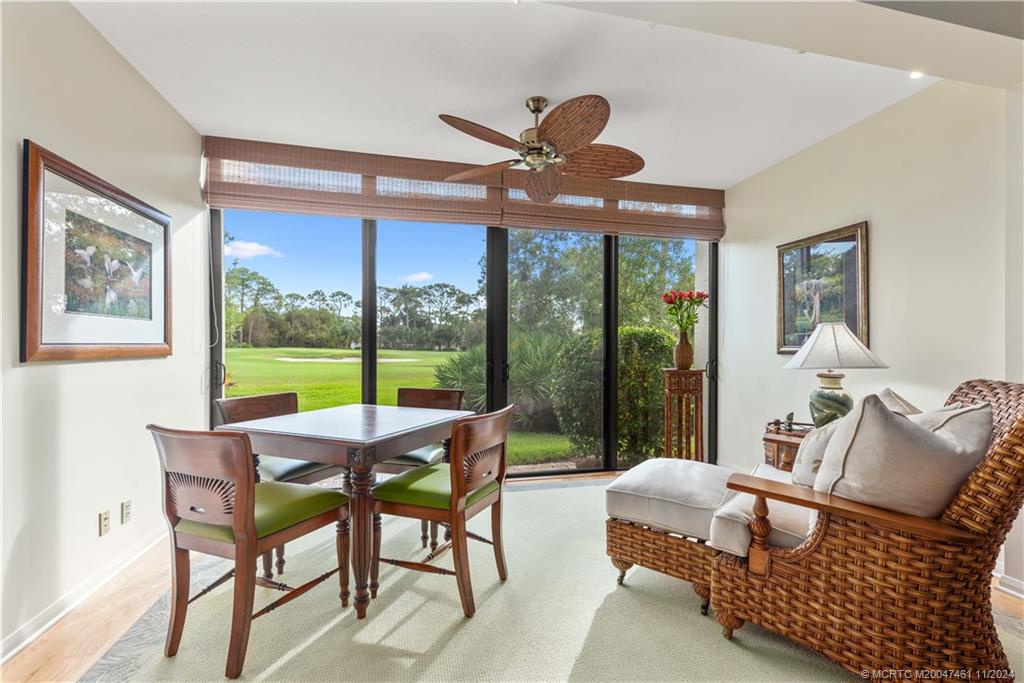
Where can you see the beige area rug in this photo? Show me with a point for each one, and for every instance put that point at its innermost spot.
(560, 616)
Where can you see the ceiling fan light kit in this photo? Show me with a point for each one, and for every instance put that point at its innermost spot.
(560, 144)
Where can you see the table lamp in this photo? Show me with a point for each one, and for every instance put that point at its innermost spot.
(831, 347)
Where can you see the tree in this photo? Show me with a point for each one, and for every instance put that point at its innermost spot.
(318, 299)
(293, 302)
(340, 301)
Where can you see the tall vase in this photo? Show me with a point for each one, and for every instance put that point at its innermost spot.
(683, 352)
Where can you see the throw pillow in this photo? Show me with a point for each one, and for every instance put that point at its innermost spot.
(884, 459)
(811, 451)
(897, 403)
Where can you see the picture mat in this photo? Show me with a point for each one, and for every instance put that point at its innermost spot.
(62, 327)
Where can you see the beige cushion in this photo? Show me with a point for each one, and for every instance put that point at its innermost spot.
(897, 403)
(811, 451)
(914, 466)
(670, 494)
(729, 530)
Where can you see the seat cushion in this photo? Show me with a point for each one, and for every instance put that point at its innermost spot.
(428, 455)
(729, 530)
(278, 506)
(428, 487)
(670, 494)
(273, 468)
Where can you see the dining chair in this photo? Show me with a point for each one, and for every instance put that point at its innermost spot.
(213, 505)
(451, 493)
(269, 467)
(441, 399)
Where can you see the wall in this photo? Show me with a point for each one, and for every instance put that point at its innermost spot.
(1011, 578)
(73, 439)
(930, 175)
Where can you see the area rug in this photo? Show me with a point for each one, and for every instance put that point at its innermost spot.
(560, 616)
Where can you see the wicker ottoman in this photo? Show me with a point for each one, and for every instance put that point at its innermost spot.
(659, 517)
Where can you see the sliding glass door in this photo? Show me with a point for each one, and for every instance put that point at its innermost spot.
(567, 325)
(555, 350)
(290, 315)
(647, 268)
(430, 309)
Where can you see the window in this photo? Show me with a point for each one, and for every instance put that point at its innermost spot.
(430, 309)
(291, 316)
(555, 350)
(648, 268)
(293, 321)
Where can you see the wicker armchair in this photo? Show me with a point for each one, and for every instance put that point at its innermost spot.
(872, 589)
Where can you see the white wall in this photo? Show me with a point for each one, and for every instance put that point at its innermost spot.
(73, 437)
(928, 176)
(938, 178)
(1011, 579)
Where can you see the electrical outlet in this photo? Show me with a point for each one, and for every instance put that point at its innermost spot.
(104, 522)
(126, 511)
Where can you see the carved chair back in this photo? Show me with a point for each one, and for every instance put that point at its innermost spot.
(257, 407)
(442, 399)
(208, 477)
(478, 453)
(990, 499)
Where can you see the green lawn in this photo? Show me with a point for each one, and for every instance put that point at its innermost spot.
(322, 385)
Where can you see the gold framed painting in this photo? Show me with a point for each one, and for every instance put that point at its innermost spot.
(823, 278)
(96, 281)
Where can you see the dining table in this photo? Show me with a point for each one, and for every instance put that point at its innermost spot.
(356, 437)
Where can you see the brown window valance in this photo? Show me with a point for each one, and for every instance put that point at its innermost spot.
(245, 174)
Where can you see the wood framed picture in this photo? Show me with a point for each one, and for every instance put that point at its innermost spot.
(822, 279)
(96, 280)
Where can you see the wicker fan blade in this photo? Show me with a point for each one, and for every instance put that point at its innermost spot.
(575, 123)
(482, 132)
(482, 171)
(542, 186)
(602, 161)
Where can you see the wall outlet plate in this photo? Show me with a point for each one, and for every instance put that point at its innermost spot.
(104, 522)
(126, 511)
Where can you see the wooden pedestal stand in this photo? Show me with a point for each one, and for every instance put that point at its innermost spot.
(684, 414)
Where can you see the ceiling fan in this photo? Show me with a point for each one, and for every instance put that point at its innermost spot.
(563, 143)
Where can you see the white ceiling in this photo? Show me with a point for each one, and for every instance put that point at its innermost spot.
(858, 31)
(702, 109)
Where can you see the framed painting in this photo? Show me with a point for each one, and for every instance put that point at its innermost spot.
(95, 280)
(822, 279)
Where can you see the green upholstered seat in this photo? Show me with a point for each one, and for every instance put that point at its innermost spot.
(428, 455)
(278, 506)
(429, 487)
(273, 468)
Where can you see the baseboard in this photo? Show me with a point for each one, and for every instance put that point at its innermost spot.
(1010, 585)
(42, 622)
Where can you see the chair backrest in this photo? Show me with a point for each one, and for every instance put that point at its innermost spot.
(257, 407)
(208, 477)
(478, 452)
(990, 499)
(443, 399)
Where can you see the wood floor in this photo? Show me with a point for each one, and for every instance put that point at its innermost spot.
(76, 642)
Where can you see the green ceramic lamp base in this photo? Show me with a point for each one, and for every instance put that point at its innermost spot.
(830, 401)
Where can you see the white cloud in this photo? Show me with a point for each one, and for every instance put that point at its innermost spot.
(421, 276)
(243, 250)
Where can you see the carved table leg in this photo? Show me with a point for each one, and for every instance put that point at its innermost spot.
(362, 534)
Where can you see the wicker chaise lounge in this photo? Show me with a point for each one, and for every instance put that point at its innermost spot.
(868, 588)
(875, 590)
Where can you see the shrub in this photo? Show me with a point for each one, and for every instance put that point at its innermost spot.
(643, 354)
(466, 371)
(532, 359)
(579, 378)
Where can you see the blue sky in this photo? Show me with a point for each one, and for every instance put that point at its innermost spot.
(301, 253)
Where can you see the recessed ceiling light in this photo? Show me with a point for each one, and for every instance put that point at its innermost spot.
(916, 74)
